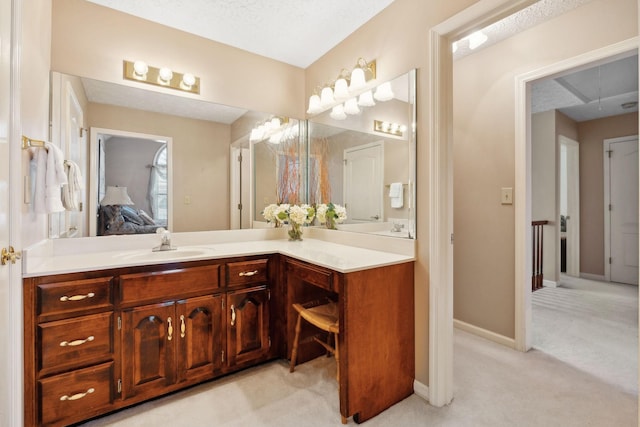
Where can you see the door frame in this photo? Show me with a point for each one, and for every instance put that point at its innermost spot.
(607, 199)
(523, 250)
(574, 247)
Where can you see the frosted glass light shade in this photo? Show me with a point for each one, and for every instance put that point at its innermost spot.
(116, 196)
(384, 92)
(341, 90)
(140, 69)
(314, 105)
(326, 97)
(188, 80)
(351, 106)
(337, 112)
(366, 99)
(357, 79)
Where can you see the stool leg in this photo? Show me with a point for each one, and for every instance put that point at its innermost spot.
(294, 350)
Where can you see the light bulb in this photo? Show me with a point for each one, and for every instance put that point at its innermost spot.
(314, 105)
(326, 97)
(140, 70)
(357, 79)
(351, 106)
(165, 75)
(188, 80)
(384, 92)
(337, 112)
(366, 99)
(275, 123)
(341, 90)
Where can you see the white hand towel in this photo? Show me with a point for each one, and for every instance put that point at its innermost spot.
(71, 190)
(54, 179)
(39, 199)
(396, 195)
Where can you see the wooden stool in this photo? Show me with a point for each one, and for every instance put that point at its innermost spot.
(323, 315)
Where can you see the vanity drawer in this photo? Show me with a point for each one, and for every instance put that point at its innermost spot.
(246, 272)
(311, 274)
(76, 395)
(69, 343)
(163, 285)
(74, 297)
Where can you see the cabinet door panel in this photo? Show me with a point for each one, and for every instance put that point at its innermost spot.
(248, 325)
(200, 332)
(149, 349)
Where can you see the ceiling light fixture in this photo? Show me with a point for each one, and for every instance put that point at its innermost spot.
(139, 71)
(476, 39)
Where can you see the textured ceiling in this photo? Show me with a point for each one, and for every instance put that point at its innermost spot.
(297, 32)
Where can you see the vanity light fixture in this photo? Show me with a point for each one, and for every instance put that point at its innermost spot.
(389, 127)
(271, 129)
(349, 84)
(141, 72)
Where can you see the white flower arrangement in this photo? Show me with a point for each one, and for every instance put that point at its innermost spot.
(331, 214)
(286, 213)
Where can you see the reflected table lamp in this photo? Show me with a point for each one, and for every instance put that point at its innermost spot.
(117, 197)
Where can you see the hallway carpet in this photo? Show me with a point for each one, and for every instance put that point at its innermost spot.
(494, 387)
(592, 326)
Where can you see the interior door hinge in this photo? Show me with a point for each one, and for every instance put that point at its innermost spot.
(452, 238)
(240, 158)
(119, 385)
(610, 260)
(610, 207)
(609, 152)
(239, 206)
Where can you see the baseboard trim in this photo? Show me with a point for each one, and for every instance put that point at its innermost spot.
(549, 283)
(598, 277)
(484, 333)
(421, 390)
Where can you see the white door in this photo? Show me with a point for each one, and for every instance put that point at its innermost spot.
(10, 225)
(570, 201)
(623, 209)
(363, 178)
(67, 132)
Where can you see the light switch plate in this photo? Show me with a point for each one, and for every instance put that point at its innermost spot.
(507, 196)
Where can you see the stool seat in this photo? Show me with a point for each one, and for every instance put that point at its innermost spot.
(323, 315)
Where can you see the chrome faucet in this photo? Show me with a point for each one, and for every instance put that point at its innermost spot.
(165, 242)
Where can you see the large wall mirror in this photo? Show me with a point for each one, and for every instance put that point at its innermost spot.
(364, 160)
(225, 167)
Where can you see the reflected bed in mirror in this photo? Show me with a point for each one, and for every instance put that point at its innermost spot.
(366, 162)
(130, 182)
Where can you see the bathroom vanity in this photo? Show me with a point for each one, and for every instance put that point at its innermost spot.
(105, 330)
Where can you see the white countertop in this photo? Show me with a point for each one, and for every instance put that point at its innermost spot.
(88, 254)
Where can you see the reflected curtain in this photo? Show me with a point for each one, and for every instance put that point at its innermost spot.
(158, 193)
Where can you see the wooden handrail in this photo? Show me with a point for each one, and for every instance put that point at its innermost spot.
(537, 239)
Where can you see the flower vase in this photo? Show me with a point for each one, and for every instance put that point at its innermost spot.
(295, 232)
(331, 223)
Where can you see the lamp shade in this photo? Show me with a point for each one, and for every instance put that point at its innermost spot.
(337, 112)
(357, 79)
(366, 99)
(314, 105)
(341, 90)
(384, 92)
(351, 106)
(116, 196)
(326, 97)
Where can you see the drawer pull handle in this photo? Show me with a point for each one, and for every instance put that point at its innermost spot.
(182, 326)
(248, 273)
(77, 395)
(233, 315)
(76, 342)
(169, 329)
(65, 298)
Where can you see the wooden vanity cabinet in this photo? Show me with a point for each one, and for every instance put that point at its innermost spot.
(70, 348)
(248, 333)
(171, 342)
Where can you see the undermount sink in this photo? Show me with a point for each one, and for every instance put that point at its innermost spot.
(148, 254)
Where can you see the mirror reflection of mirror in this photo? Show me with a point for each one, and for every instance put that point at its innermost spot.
(366, 161)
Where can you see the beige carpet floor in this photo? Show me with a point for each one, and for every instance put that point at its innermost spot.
(494, 386)
(590, 325)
